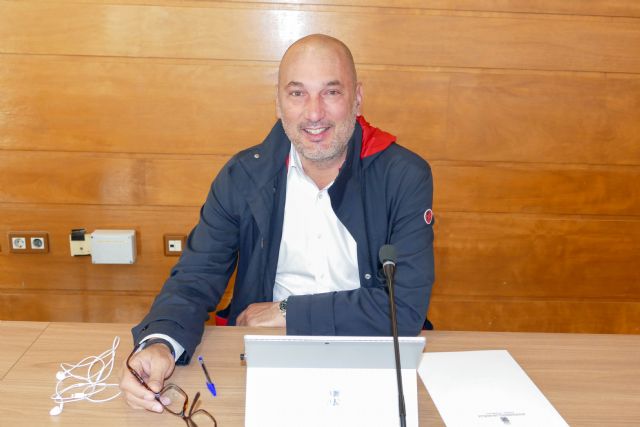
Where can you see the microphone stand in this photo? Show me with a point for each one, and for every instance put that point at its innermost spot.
(389, 268)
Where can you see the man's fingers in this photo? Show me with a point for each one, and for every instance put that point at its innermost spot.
(131, 386)
(161, 368)
(136, 395)
(246, 317)
(155, 385)
(241, 320)
(262, 314)
(149, 405)
(154, 364)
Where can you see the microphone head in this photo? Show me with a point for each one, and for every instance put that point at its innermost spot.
(60, 375)
(388, 253)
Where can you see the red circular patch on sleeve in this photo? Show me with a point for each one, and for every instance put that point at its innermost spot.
(428, 216)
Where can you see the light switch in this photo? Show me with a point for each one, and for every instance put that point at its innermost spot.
(174, 244)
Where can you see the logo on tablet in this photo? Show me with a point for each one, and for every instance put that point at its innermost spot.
(334, 397)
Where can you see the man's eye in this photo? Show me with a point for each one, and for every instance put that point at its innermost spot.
(333, 92)
(296, 93)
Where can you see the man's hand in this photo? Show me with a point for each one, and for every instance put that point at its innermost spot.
(262, 314)
(154, 364)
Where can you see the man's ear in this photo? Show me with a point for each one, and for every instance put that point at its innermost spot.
(278, 113)
(359, 97)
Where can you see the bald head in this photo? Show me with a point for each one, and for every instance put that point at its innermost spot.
(318, 47)
(318, 99)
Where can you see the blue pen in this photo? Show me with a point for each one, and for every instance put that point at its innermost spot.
(210, 385)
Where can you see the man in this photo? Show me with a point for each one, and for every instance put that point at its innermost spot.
(303, 215)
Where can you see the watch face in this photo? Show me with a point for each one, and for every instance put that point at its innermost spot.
(283, 307)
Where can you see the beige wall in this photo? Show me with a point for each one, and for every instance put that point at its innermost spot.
(119, 115)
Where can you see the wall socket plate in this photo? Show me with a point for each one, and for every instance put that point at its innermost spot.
(174, 244)
(28, 242)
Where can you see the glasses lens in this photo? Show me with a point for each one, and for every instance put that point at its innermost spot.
(173, 399)
(202, 418)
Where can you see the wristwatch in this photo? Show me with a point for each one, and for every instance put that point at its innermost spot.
(283, 307)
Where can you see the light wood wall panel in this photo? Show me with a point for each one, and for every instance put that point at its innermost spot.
(394, 36)
(67, 177)
(536, 256)
(108, 179)
(570, 315)
(537, 188)
(128, 105)
(119, 105)
(624, 8)
(616, 8)
(118, 115)
(64, 306)
(578, 118)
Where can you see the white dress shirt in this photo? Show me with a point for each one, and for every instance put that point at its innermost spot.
(317, 252)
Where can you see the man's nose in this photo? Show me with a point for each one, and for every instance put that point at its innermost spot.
(314, 109)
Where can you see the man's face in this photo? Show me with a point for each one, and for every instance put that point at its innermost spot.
(318, 101)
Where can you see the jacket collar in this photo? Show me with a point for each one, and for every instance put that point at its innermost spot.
(262, 162)
(255, 174)
(374, 140)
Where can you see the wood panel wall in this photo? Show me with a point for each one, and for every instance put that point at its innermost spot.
(119, 114)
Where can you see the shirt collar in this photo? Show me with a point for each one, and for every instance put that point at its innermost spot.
(294, 160)
(295, 164)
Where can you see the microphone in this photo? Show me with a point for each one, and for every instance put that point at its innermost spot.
(388, 256)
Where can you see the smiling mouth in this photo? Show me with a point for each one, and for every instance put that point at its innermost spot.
(315, 131)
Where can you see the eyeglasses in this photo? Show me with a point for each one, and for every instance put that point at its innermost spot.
(175, 401)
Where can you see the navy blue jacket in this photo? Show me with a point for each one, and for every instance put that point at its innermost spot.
(382, 195)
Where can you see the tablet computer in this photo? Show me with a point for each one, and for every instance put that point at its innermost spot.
(329, 381)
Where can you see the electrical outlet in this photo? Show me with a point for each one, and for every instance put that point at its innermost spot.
(37, 243)
(18, 243)
(28, 242)
(174, 244)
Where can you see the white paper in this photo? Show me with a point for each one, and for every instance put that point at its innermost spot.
(485, 388)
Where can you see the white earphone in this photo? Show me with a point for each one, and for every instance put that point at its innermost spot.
(90, 383)
(56, 410)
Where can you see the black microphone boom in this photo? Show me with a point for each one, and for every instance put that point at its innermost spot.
(388, 256)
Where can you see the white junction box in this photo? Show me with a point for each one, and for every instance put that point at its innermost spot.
(113, 247)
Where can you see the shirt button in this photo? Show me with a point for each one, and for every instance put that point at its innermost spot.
(319, 195)
(367, 276)
(256, 156)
